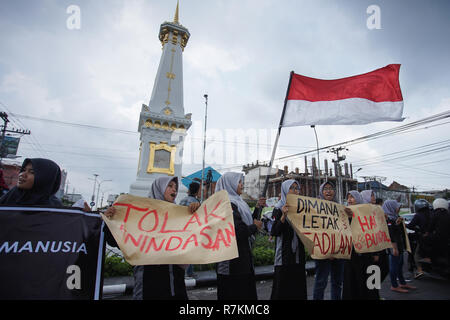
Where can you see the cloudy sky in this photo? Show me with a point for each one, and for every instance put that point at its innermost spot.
(91, 82)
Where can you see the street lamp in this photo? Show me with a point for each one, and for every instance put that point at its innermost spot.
(204, 144)
(98, 191)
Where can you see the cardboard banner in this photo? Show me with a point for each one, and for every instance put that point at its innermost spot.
(49, 253)
(150, 231)
(369, 228)
(407, 244)
(322, 226)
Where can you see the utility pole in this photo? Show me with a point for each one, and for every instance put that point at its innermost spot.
(337, 171)
(93, 191)
(98, 191)
(5, 119)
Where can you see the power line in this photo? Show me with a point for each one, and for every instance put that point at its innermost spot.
(380, 134)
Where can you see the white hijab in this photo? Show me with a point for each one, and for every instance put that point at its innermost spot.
(159, 186)
(229, 182)
(285, 186)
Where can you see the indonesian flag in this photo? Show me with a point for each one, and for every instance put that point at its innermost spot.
(361, 99)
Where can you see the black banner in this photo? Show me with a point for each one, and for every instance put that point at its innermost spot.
(50, 253)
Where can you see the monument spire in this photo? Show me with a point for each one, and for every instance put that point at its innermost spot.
(175, 19)
(163, 123)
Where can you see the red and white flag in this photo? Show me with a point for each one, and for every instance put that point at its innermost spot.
(361, 99)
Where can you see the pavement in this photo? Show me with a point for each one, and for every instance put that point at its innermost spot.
(203, 286)
(124, 285)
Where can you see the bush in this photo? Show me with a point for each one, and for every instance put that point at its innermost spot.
(116, 266)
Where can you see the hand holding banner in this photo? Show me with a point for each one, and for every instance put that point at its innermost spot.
(369, 229)
(150, 231)
(322, 226)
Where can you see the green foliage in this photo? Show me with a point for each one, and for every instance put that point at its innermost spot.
(116, 266)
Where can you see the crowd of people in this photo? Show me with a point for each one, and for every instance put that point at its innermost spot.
(39, 180)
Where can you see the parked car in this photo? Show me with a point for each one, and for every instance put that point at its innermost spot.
(408, 217)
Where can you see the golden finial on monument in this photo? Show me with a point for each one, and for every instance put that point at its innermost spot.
(175, 20)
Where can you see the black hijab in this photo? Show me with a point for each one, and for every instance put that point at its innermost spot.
(47, 178)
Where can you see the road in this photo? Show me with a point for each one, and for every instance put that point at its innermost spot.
(428, 288)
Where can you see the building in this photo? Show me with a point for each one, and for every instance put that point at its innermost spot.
(112, 198)
(60, 193)
(72, 197)
(309, 180)
(163, 123)
(255, 177)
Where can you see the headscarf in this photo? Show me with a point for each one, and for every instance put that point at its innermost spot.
(229, 182)
(367, 196)
(322, 186)
(159, 186)
(355, 194)
(285, 186)
(47, 179)
(390, 207)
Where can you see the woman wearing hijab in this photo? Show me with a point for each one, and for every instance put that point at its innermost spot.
(236, 277)
(158, 282)
(325, 267)
(39, 180)
(368, 196)
(289, 281)
(355, 269)
(380, 258)
(397, 234)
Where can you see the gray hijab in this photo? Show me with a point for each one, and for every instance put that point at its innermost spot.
(285, 186)
(159, 186)
(229, 182)
(355, 194)
(390, 207)
(367, 196)
(321, 190)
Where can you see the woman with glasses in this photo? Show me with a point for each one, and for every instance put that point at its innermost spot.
(326, 267)
(289, 281)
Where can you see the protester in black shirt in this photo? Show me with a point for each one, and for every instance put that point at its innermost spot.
(420, 224)
(39, 180)
(289, 281)
(236, 277)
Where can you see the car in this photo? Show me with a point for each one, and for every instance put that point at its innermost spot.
(408, 218)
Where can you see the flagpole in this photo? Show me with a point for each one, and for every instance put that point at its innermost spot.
(204, 146)
(266, 183)
(318, 159)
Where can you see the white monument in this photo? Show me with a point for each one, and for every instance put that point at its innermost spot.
(162, 123)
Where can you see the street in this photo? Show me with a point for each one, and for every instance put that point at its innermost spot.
(429, 287)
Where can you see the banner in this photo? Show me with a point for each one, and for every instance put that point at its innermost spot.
(322, 226)
(50, 253)
(369, 228)
(150, 231)
(407, 244)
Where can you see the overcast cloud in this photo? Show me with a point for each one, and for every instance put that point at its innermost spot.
(240, 53)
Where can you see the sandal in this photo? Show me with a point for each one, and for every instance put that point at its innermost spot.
(407, 286)
(398, 289)
(419, 275)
